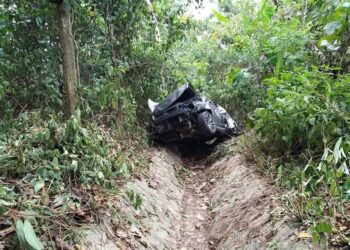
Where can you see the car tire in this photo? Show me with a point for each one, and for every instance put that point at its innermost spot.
(206, 123)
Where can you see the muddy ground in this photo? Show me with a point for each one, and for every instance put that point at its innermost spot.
(190, 205)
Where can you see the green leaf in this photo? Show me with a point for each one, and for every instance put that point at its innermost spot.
(333, 189)
(279, 63)
(7, 203)
(138, 201)
(101, 23)
(39, 185)
(75, 165)
(266, 11)
(31, 237)
(312, 121)
(344, 168)
(232, 75)
(2, 210)
(221, 18)
(20, 232)
(324, 227)
(55, 162)
(47, 135)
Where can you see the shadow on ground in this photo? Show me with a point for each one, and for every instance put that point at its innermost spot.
(193, 152)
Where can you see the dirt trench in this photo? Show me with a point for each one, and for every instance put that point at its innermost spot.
(189, 205)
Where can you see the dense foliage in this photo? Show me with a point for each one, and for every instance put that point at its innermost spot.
(57, 173)
(285, 65)
(280, 67)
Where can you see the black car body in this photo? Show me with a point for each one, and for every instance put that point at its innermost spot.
(184, 115)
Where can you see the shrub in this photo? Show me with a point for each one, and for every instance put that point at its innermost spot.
(58, 169)
(305, 110)
(306, 125)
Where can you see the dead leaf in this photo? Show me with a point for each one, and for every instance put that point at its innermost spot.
(59, 201)
(304, 235)
(76, 194)
(62, 245)
(135, 231)
(78, 247)
(44, 197)
(121, 233)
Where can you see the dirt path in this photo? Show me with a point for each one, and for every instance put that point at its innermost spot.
(195, 229)
(225, 206)
(229, 206)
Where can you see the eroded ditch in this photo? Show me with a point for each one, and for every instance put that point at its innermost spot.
(188, 204)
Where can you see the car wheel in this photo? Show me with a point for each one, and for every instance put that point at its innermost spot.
(206, 123)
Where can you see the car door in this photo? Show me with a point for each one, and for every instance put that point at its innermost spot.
(218, 117)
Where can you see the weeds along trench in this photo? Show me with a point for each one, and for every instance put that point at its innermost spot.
(195, 197)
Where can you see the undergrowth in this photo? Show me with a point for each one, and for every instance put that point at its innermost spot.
(52, 173)
(303, 143)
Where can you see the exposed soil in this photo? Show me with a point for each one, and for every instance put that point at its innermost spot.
(195, 229)
(222, 206)
(247, 214)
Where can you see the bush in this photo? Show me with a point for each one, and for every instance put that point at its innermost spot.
(52, 172)
(306, 125)
(304, 110)
(55, 151)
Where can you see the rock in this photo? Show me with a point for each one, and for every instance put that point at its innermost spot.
(198, 226)
(153, 184)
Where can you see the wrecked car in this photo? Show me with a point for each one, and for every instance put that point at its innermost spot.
(185, 115)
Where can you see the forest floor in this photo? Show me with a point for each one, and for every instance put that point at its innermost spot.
(188, 204)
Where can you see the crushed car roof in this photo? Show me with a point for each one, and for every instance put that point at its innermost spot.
(182, 93)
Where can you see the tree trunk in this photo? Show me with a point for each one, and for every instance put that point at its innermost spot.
(69, 63)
